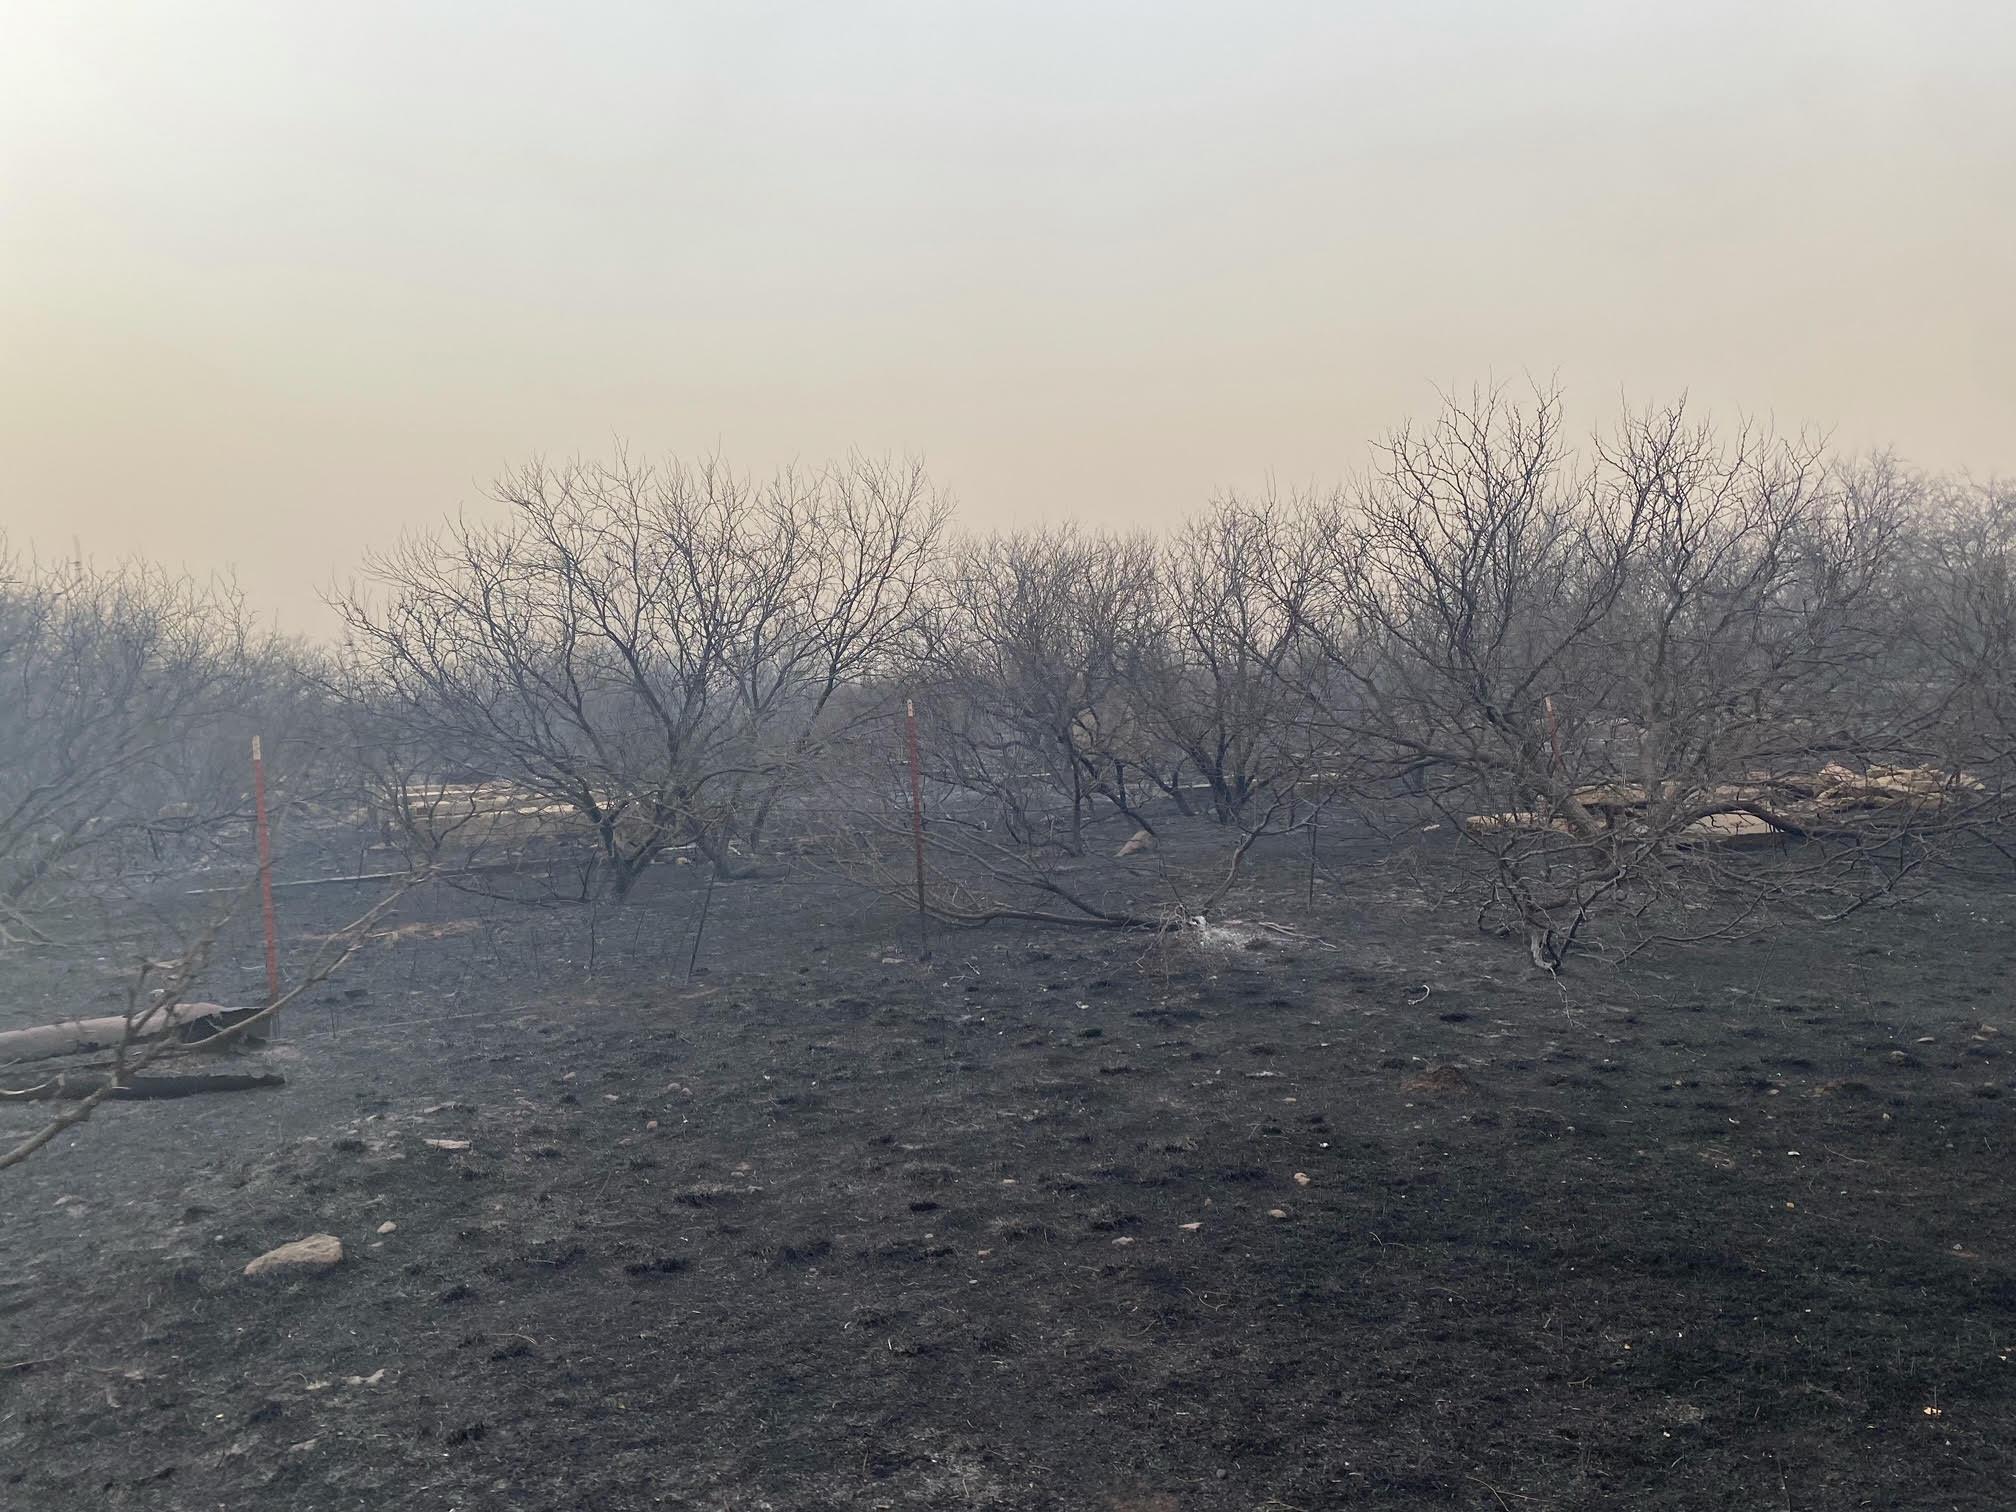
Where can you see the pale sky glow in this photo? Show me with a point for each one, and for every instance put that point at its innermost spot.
(278, 280)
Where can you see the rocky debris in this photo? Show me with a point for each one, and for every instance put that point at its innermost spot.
(317, 1252)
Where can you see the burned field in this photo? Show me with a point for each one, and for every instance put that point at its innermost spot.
(1359, 1211)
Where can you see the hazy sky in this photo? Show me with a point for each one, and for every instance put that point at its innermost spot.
(278, 278)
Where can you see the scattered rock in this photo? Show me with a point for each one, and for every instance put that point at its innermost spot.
(318, 1252)
(1301, 1178)
(1277, 1212)
(447, 1144)
(1139, 841)
(387, 1227)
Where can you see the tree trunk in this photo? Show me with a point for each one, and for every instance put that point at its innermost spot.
(1077, 805)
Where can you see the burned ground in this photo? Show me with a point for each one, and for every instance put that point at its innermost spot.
(1371, 1214)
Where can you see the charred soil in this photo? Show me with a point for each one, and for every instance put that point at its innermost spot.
(1360, 1213)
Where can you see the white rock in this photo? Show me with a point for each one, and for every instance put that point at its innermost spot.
(318, 1252)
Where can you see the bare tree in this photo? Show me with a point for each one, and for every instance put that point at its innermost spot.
(1954, 633)
(130, 695)
(661, 652)
(1219, 689)
(1033, 647)
(1607, 669)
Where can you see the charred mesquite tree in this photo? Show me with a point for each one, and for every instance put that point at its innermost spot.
(657, 653)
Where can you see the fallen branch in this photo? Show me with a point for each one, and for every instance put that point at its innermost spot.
(479, 868)
(68, 1087)
(328, 960)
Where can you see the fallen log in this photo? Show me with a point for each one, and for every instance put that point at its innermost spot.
(191, 1022)
(70, 1087)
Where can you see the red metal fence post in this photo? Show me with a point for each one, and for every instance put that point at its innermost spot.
(265, 873)
(917, 826)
